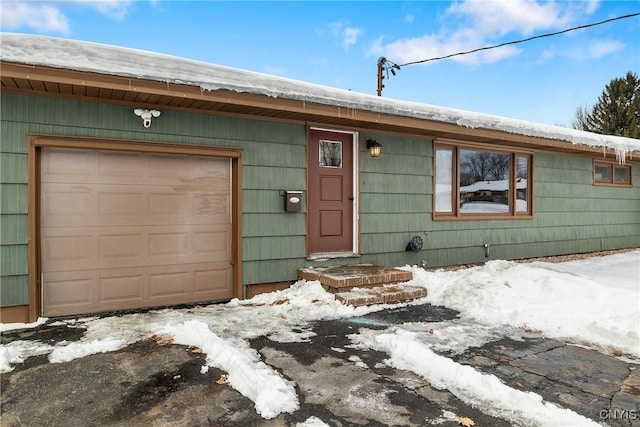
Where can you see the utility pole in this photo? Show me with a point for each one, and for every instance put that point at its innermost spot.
(381, 62)
(384, 66)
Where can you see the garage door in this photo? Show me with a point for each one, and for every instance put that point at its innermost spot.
(123, 230)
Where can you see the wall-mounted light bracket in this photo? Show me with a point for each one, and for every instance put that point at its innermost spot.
(146, 115)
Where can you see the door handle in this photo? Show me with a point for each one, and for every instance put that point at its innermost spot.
(351, 198)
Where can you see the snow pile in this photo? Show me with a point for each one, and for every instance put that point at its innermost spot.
(271, 393)
(19, 351)
(112, 60)
(483, 391)
(595, 301)
(312, 422)
(67, 352)
(4, 327)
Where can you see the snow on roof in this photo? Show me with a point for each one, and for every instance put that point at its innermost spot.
(127, 62)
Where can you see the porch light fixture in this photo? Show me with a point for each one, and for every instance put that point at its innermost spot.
(375, 148)
(146, 116)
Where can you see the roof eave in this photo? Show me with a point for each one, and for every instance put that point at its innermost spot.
(48, 81)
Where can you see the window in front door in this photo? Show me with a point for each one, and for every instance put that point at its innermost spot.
(330, 154)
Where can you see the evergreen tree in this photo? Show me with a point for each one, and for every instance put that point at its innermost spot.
(617, 111)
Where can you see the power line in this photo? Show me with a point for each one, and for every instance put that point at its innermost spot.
(521, 41)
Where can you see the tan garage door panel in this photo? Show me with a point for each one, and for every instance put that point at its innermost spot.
(130, 230)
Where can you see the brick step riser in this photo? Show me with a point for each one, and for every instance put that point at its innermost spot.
(381, 295)
(341, 287)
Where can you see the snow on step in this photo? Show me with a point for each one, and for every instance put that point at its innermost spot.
(334, 278)
(387, 294)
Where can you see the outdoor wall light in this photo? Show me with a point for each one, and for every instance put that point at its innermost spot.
(375, 148)
(146, 115)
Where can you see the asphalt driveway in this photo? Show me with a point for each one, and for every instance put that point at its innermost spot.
(152, 384)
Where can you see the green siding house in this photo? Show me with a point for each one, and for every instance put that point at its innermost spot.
(130, 179)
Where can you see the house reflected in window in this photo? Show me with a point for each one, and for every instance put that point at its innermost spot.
(484, 182)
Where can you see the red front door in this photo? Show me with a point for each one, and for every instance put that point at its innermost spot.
(330, 195)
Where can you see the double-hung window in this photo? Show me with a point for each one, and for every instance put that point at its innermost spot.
(473, 182)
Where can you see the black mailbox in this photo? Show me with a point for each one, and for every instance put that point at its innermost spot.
(292, 201)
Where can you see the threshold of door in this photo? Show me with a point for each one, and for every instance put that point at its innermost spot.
(321, 256)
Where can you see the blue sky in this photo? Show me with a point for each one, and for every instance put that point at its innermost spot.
(338, 43)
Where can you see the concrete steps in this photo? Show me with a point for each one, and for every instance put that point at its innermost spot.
(364, 284)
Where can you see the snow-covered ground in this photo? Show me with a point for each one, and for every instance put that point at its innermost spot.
(593, 302)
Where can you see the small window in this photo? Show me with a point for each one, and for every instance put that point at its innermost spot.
(330, 154)
(522, 184)
(622, 175)
(603, 173)
(444, 180)
(611, 174)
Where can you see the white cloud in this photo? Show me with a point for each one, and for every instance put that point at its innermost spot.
(433, 46)
(43, 16)
(36, 16)
(591, 6)
(350, 36)
(347, 35)
(473, 24)
(112, 8)
(585, 50)
(499, 17)
(601, 48)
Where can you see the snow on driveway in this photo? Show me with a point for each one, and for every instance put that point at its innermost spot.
(594, 302)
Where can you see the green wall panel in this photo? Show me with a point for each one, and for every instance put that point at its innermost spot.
(269, 224)
(13, 260)
(567, 176)
(388, 183)
(13, 229)
(274, 155)
(394, 203)
(273, 247)
(13, 168)
(268, 271)
(14, 290)
(380, 223)
(269, 178)
(13, 198)
(13, 136)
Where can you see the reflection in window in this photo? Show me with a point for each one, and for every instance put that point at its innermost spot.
(444, 177)
(484, 182)
(603, 173)
(522, 184)
(621, 175)
(330, 154)
(472, 182)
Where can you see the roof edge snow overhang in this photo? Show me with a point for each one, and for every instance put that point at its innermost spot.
(135, 92)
